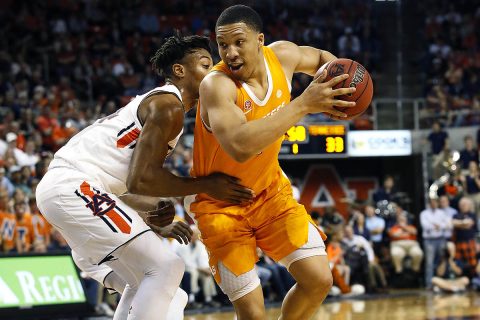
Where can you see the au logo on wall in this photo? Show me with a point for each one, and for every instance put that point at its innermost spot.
(323, 187)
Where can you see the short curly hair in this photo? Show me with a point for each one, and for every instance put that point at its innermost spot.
(174, 49)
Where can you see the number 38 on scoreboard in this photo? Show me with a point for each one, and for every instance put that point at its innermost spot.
(319, 140)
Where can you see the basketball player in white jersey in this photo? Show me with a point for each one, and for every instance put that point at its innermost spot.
(124, 153)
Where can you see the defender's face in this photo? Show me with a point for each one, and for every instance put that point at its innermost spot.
(197, 65)
(239, 47)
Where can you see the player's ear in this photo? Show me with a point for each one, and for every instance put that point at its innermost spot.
(178, 70)
(261, 40)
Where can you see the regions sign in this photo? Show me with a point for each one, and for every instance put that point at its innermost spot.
(39, 280)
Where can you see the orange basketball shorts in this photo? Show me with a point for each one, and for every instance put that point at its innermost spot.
(278, 225)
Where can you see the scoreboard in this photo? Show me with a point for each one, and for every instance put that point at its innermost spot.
(315, 140)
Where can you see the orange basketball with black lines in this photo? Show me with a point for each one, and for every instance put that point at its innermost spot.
(358, 78)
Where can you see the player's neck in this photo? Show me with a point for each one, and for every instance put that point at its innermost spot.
(187, 101)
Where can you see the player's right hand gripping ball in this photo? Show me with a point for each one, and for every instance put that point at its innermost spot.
(358, 78)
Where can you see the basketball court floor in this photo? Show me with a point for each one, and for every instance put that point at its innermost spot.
(399, 306)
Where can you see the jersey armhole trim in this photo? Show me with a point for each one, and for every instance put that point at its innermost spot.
(159, 92)
(203, 121)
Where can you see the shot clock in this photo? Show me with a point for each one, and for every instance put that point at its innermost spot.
(315, 140)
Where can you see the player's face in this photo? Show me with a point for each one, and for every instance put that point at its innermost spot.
(239, 47)
(198, 64)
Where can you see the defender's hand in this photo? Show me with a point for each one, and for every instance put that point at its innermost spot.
(179, 231)
(163, 215)
(227, 188)
(320, 96)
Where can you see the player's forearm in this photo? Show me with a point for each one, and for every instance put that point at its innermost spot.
(140, 202)
(326, 56)
(163, 183)
(254, 136)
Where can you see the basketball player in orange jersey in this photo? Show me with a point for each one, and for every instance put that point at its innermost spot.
(244, 112)
(123, 153)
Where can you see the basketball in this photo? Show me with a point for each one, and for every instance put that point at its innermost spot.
(358, 77)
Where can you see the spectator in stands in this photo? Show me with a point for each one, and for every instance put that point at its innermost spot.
(28, 157)
(281, 280)
(403, 243)
(7, 224)
(442, 162)
(449, 273)
(18, 181)
(41, 228)
(340, 270)
(360, 258)
(195, 257)
(57, 242)
(453, 188)
(465, 226)
(349, 45)
(469, 153)
(471, 183)
(336, 258)
(375, 226)
(450, 212)
(264, 275)
(438, 138)
(5, 182)
(387, 192)
(434, 222)
(23, 228)
(437, 103)
(359, 226)
(332, 221)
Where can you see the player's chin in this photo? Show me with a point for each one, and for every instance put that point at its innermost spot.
(239, 73)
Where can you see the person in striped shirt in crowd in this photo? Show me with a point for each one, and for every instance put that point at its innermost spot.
(465, 230)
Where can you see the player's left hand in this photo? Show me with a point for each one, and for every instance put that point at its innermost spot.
(163, 215)
(179, 231)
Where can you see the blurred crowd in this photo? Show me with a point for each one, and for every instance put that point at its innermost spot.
(452, 62)
(64, 64)
(380, 245)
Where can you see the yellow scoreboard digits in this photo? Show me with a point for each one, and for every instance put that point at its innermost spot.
(297, 134)
(315, 139)
(330, 142)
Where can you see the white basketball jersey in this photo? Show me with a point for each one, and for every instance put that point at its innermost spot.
(104, 149)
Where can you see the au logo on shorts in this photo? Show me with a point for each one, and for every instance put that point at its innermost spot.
(105, 208)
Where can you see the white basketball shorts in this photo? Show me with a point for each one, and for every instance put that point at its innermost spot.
(93, 222)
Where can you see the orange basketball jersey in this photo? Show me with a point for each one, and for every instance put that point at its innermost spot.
(8, 223)
(24, 230)
(41, 228)
(259, 172)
